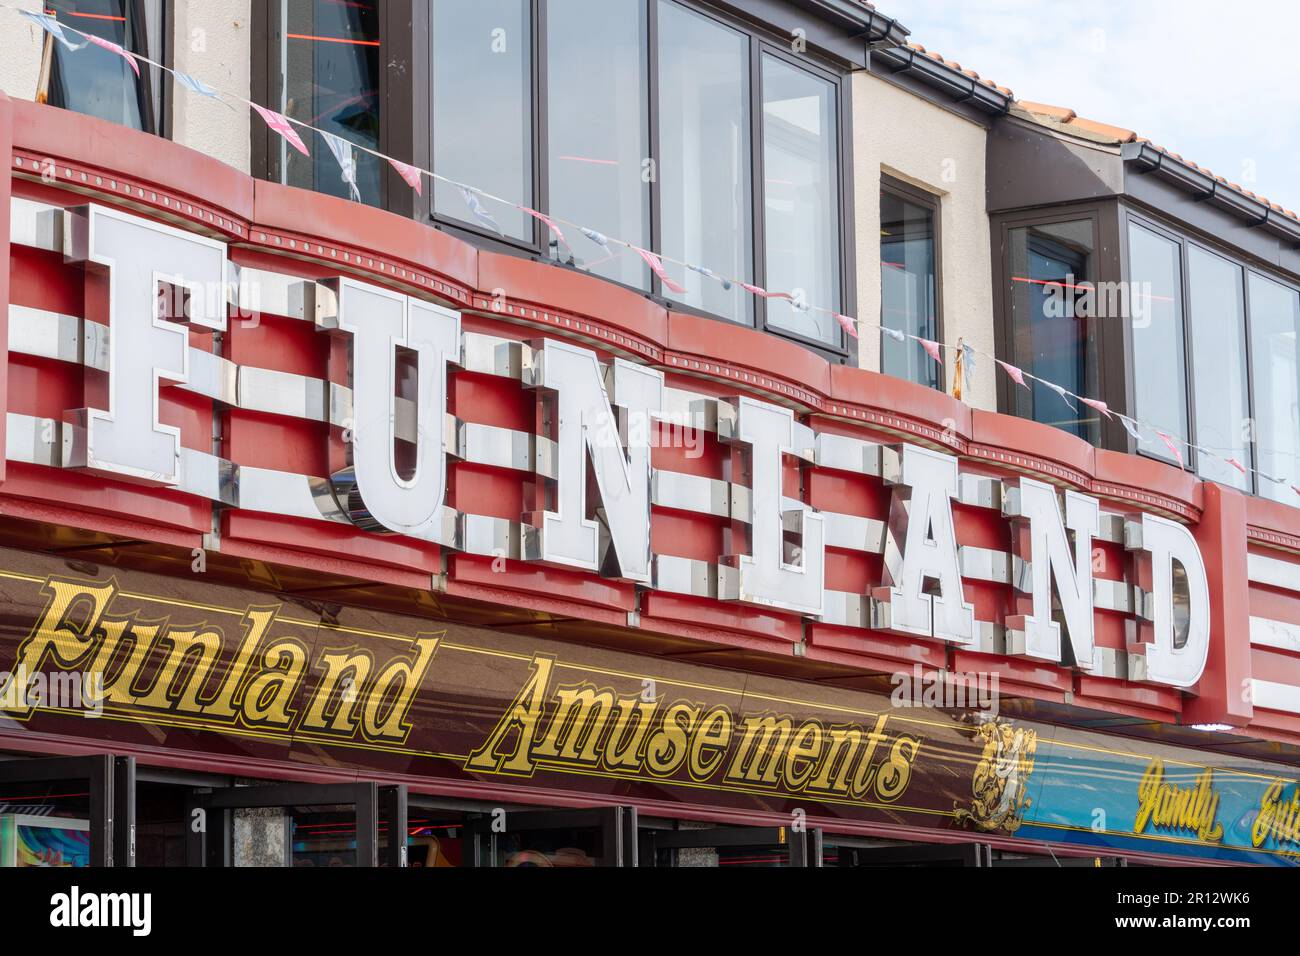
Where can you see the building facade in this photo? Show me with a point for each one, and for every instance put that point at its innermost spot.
(333, 509)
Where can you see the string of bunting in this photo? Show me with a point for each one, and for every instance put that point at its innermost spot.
(966, 360)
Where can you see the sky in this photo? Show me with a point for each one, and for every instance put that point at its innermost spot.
(1217, 83)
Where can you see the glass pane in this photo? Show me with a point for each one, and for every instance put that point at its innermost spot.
(332, 82)
(801, 191)
(1053, 336)
(907, 287)
(1218, 326)
(1160, 383)
(96, 81)
(704, 163)
(1274, 326)
(482, 108)
(599, 131)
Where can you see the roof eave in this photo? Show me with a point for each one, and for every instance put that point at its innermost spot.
(953, 82)
(1260, 214)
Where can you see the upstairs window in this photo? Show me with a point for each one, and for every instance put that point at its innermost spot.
(657, 123)
(1053, 334)
(483, 124)
(1275, 367)
(909, 287)
(98, 82)
(1215, 361)
(331, 81)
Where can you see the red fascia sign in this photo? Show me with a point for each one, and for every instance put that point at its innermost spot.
(208, 362)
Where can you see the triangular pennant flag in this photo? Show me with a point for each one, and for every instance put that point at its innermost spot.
(1274, 480)
(848, 324)
(194, 84)
(968, 364)
(346, 156)
(1065, 396)
(1169, 443)
(1236, 464)
(411, 174)
(115, 48)
(931, 349)
(1131, 427)
(1096, 405)
(894, 334)
(657, 267)
(549, 223)
(279, 123)
(55, 29)
(1296, 489)
(1017, 376)
(480, 213)
(754, 289)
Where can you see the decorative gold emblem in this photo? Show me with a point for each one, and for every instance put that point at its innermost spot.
(1000, 784)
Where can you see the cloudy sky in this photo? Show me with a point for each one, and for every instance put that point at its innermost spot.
(1218, 83)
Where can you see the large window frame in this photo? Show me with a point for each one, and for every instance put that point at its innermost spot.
(1247, 265)
(149, 32)
(1114, 348)
(761, 43)
(933, 202)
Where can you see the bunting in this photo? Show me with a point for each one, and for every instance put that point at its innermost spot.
(1016, 375)
(479, 211)
(657, 267)
(410, 175)
(346, 157)
(344, 152)
(112, 47)
(55, 29)
(279, 123)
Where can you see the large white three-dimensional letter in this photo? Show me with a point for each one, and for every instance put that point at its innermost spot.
(921, 570)
(1039, 539)
(586, 426)
(374, 493)
(146, 348)
(1159, 655)
(766, 577)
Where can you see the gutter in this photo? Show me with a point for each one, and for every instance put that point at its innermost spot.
(940, 76)
(1207, 188)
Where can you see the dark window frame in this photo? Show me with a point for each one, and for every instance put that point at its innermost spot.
(153, 92)
(401, 67)
(1186, 238)
(407, 129)
(1108, 264)
(902, 189)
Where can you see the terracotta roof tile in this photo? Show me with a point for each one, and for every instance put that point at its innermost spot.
(953, 65)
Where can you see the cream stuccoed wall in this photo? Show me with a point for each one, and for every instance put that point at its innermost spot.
(212, 40)
(911, 139)
(20, 66)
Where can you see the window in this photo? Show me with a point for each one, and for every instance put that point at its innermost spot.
(1221, 403)
(1274, 326)
(98, 82)
(909, 294)
(331, 80)
(704, 157)
(482, 109)
(646, 121)
(801, 198)
(1159, 359)
(598, 151)
(1053, 333)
